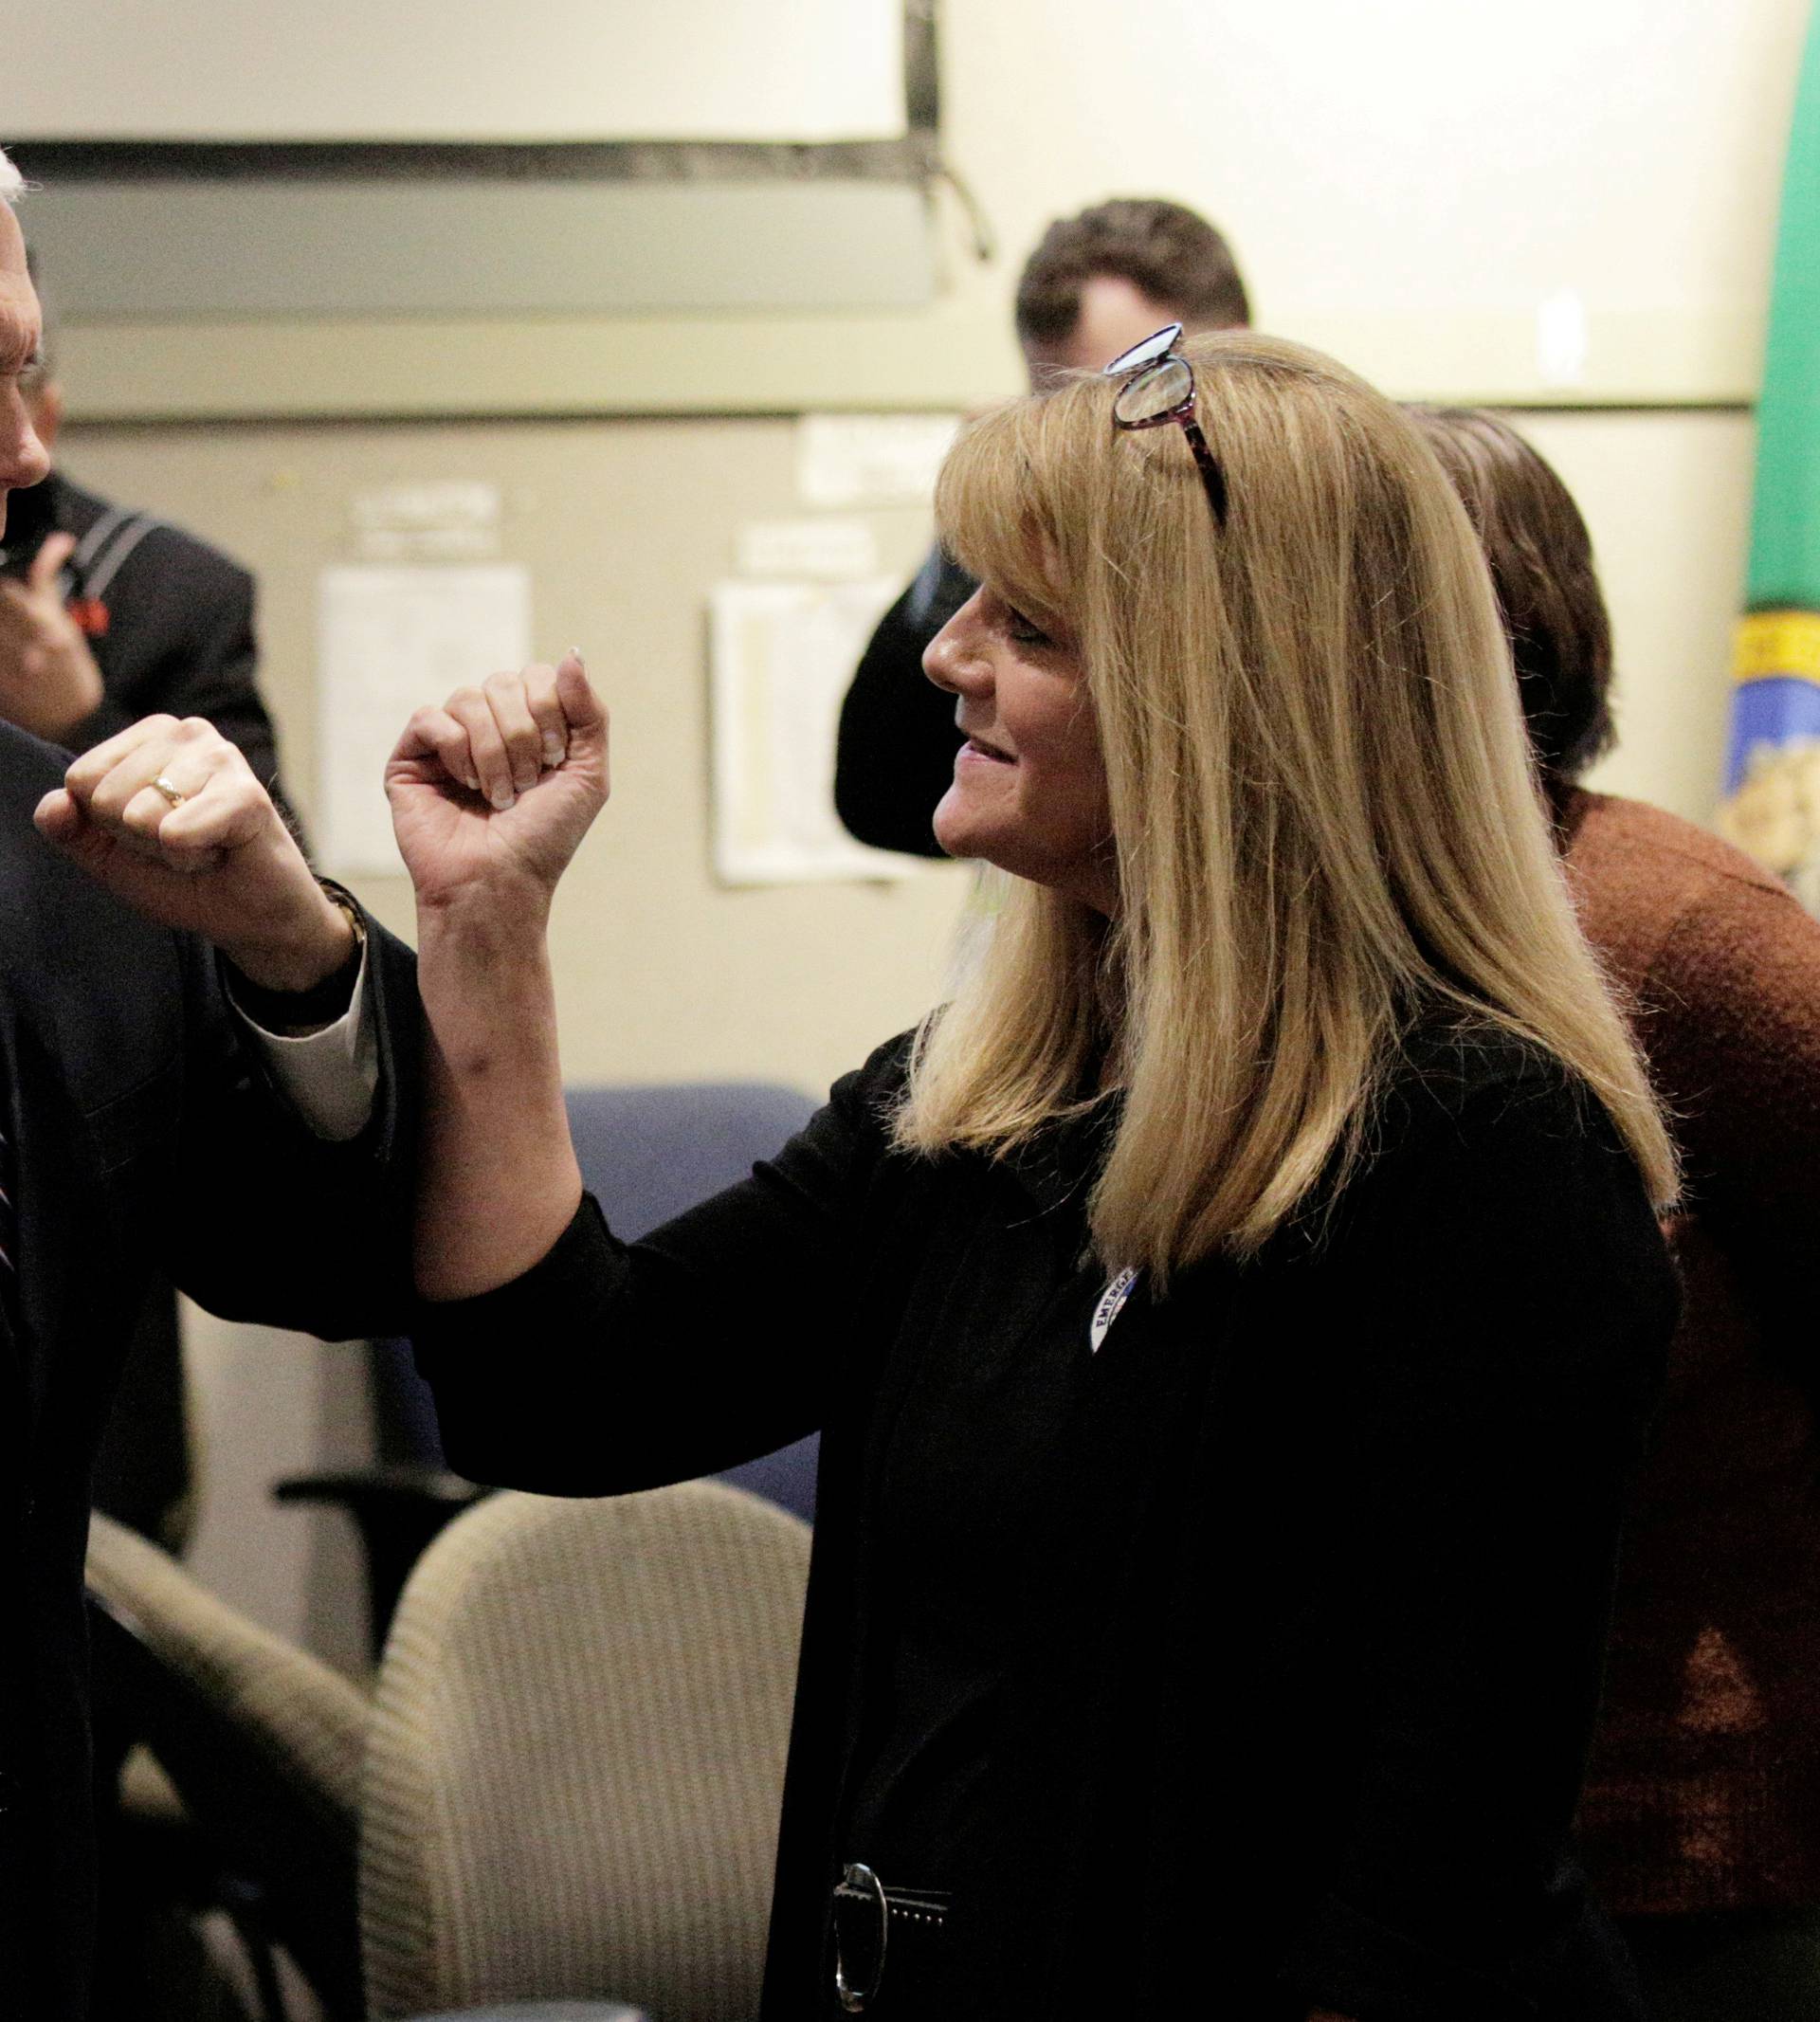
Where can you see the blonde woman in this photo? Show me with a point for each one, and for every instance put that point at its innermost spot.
(1231, 1318)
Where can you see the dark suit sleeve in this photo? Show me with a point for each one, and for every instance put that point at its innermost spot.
(613, 1366)
(895, 754)
(219, 678)
(1506, 1309)
(182, 642)
(262, 1220)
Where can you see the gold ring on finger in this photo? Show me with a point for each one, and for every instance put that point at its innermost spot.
(175, 794)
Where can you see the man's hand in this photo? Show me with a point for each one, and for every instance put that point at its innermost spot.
(492, 793)
(168, 816)
(48, 681)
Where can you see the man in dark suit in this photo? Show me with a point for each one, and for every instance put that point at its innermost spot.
(238, 1114)
(108, 614)
(1097, 285)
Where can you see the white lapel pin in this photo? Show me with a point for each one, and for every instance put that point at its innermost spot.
(1111, 1302)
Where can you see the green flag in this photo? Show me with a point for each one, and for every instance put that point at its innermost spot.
(1771, 804)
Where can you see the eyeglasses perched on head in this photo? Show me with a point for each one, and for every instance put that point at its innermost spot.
(1159, 386)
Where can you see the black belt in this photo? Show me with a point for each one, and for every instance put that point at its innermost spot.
(873, 1924)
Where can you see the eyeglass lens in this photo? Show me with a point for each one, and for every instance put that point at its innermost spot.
(1158, 344)
(1154, 395)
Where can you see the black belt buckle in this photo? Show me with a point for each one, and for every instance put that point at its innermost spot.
(862, 1925)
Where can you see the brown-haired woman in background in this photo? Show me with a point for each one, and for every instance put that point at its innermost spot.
(1702, 1817)
(1231, 1318)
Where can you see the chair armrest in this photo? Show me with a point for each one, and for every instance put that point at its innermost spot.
(397, 1507)
(385, 1484)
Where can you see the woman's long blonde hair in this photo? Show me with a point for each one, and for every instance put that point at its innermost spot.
(1325, 820)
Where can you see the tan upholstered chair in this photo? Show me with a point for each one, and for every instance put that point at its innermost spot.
(574, 1767)
(298, 1709)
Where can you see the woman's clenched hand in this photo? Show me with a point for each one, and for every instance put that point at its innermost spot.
(492, 793)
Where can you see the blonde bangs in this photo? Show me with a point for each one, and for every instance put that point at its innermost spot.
(995, 512)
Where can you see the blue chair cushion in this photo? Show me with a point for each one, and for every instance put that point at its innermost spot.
(645, 1154)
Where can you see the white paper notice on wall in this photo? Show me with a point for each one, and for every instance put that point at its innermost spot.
(782, 656)
(390, 641)
(436, 520)
(849, 460)
(828, 549)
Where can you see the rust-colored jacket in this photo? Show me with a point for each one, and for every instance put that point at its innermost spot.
(1705, 1787)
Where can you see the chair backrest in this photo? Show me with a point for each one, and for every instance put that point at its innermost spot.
(646, 1152)
(577, 1753)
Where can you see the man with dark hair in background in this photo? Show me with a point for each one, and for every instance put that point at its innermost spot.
(108, 614)
(1096, 285)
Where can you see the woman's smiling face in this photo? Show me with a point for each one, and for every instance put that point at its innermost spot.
(1029, 789)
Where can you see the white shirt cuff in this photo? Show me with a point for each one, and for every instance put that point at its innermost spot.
(331, 1077)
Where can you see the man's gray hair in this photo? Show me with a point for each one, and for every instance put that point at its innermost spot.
(12, 185)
